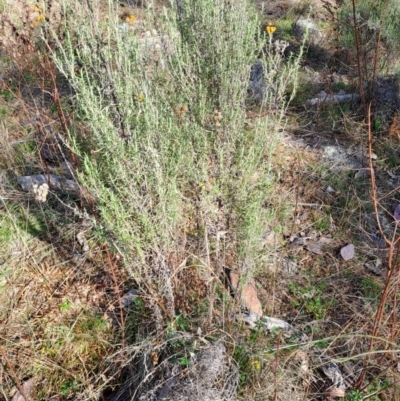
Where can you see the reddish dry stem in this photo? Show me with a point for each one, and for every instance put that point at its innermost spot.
(14, 375)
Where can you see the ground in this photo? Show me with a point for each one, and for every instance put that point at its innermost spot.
(63, 315)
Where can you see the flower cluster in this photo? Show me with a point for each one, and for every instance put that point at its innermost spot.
(270, 29)
(130, 19)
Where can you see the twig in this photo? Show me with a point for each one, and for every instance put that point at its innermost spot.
(392, 262)
(374, 196)
(14, 375)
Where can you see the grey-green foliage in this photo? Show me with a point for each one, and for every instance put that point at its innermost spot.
(168, 142)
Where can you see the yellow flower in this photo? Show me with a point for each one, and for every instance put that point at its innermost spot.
(38, 19)
(256, 364)
(140, 97)
(270, 29)
(130, 19)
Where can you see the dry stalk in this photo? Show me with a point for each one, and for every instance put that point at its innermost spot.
(394, 250)
(13, 374)
(210, 278)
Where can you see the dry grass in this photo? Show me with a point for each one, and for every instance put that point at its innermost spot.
(63, 317)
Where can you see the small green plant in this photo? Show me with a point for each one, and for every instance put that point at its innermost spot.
(6, 230)
(354, 395)
(68, 387)
(3, 111)
(285, 29)
(243, 359)
(184, 361)
(179, 324)
(29, 78)
(337, 86)
(7, 94)
(65, 306)
(376, 386)
(94, 325)
(323, 223)
(311, 299)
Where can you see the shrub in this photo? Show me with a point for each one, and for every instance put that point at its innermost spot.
(169, 149)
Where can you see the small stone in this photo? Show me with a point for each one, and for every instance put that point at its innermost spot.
(27, 388)
(307, 26)
(82, 241)
(347, 252)
(248, 293)
(129, 297)
(396, 213)
(332, 152)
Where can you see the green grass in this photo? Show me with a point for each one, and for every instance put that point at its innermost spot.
(285, 29)
(371, 289)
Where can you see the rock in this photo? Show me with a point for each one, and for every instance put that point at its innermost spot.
(307, 26)
(211, 375)
(83, 241)
(270, 323)
(248, 293)
(325, 99)
(129, 297)
(40, 192)
(332, 152)
(256, 87)
(33, 182)
(347, 252)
